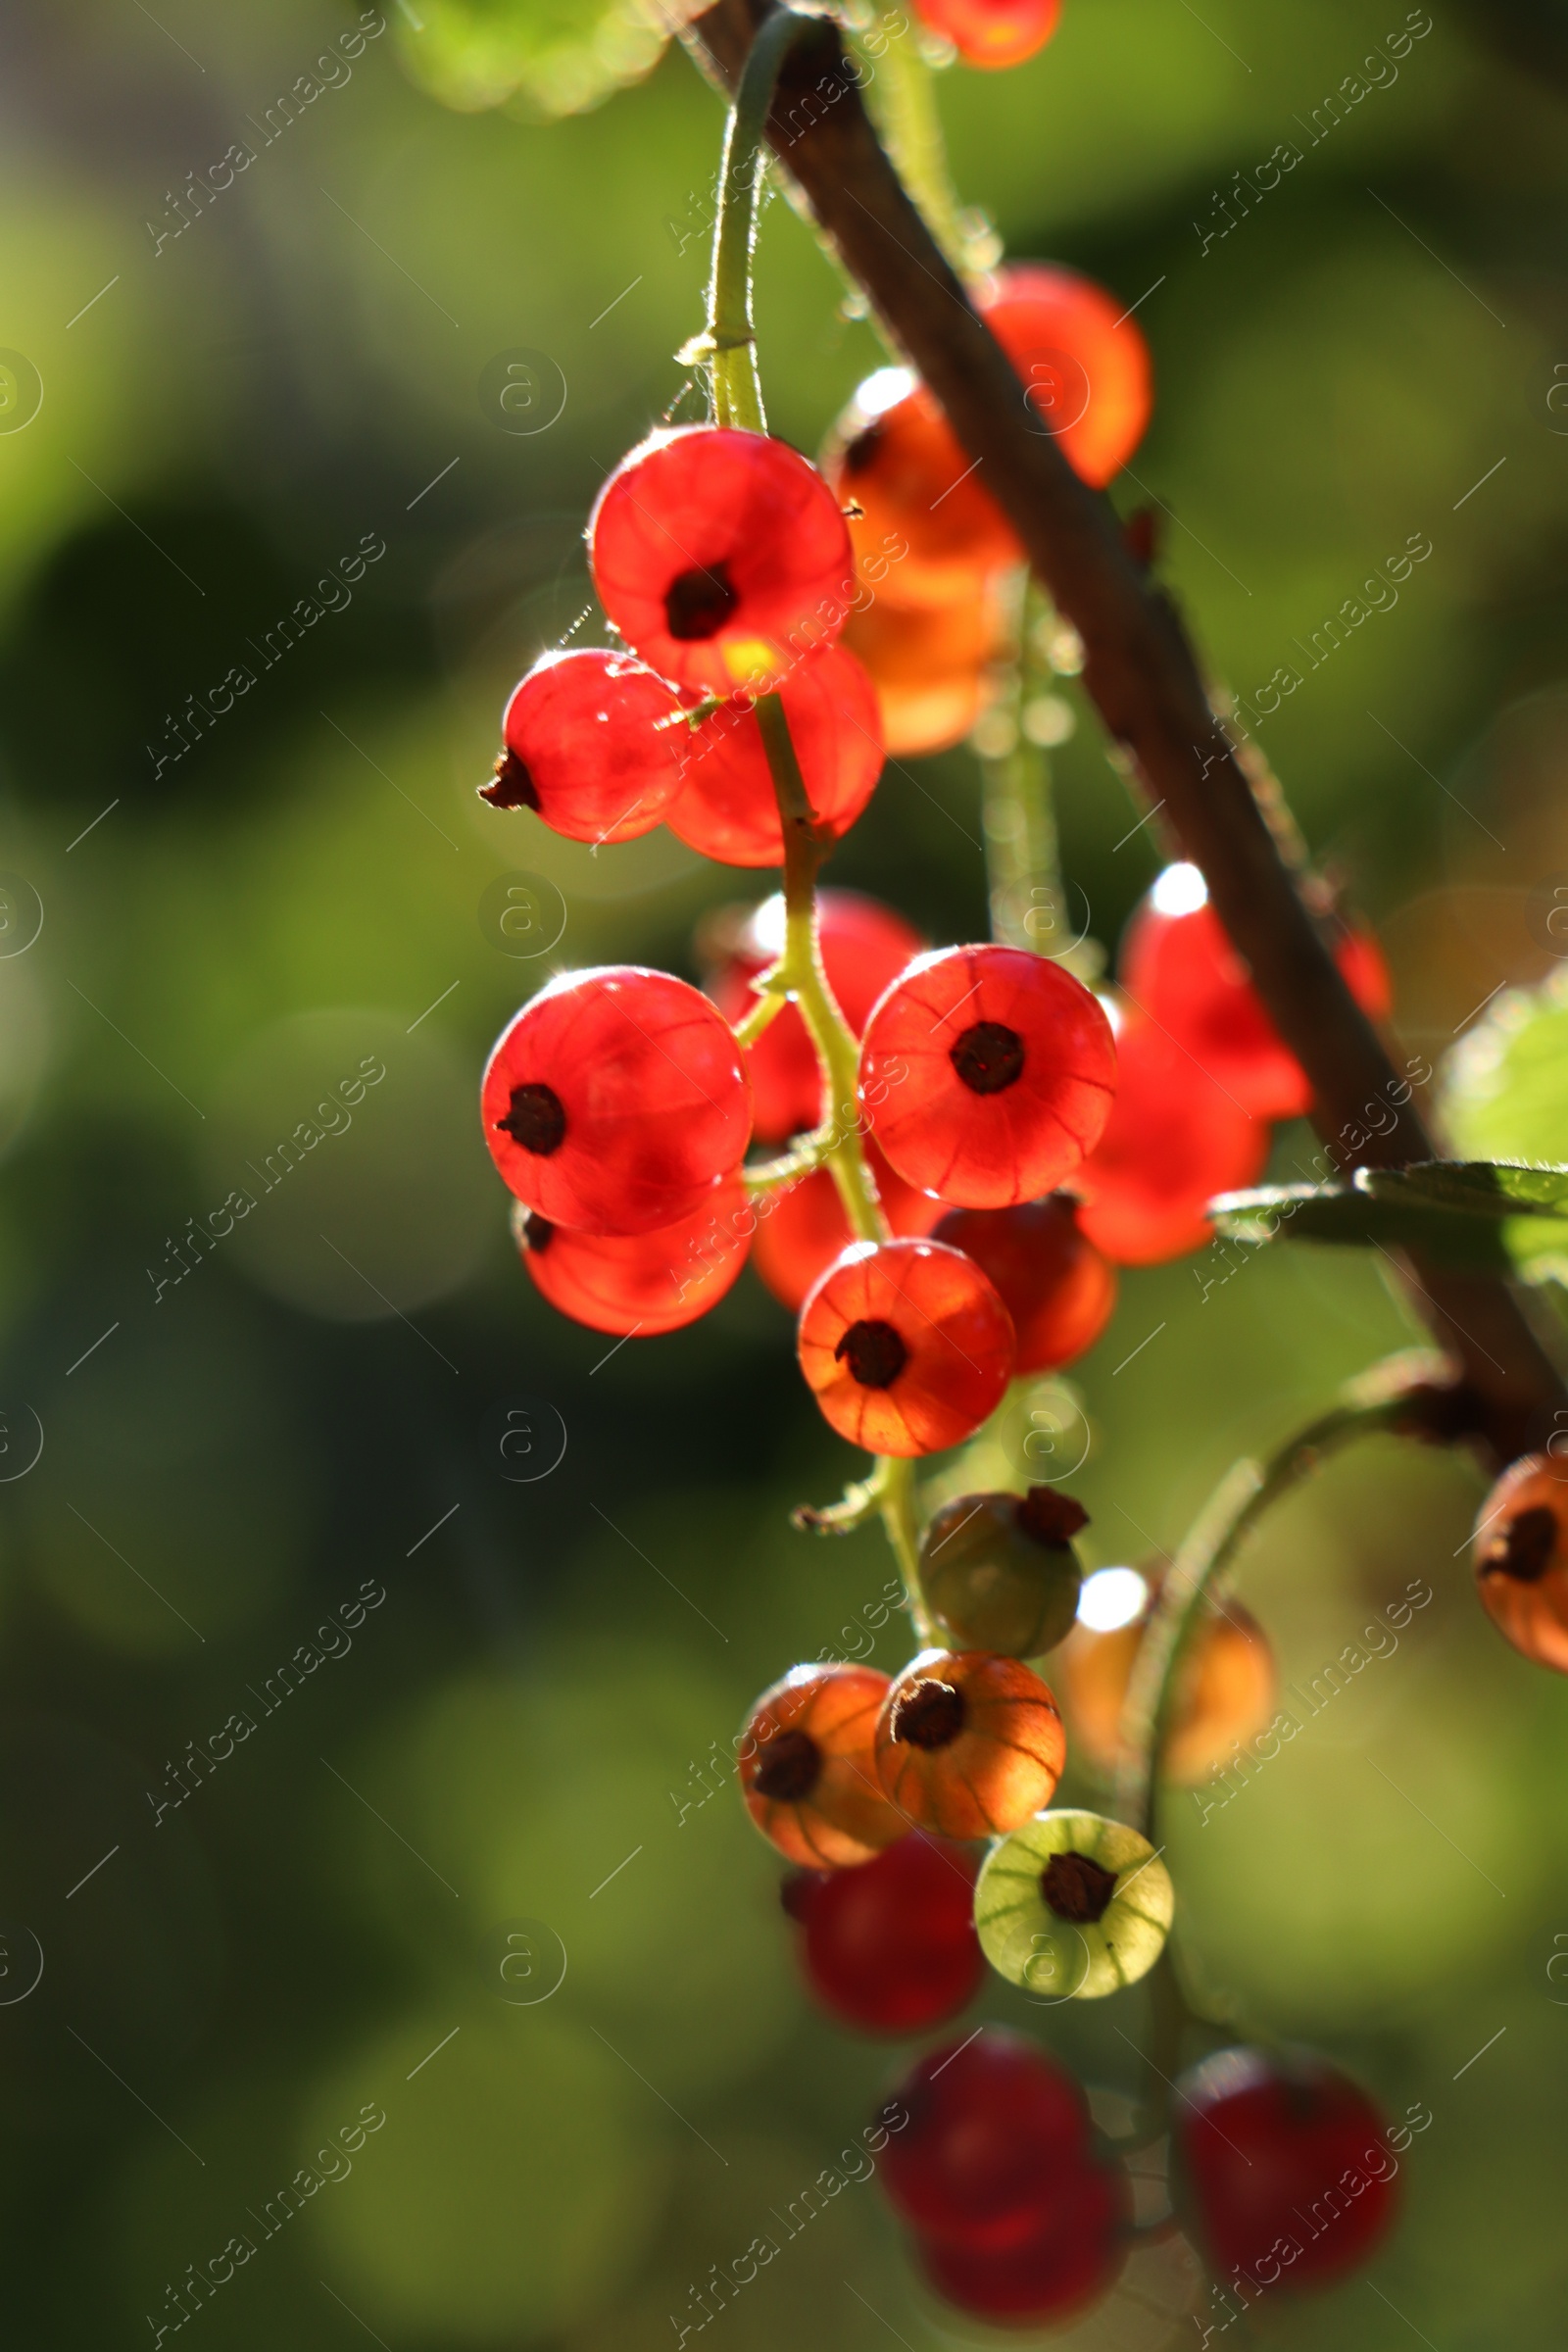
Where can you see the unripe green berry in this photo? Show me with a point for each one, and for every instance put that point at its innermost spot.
(999, 1572)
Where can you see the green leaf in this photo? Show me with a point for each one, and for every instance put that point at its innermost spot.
(1505, 1085)
(1505, 1214)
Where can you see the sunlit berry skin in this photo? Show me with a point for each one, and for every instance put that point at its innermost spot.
(928, 533)
(595, 743)
(1053, 1281)
(906, 1347)
(1285, 2171)
(1083, 364)
(998, 2135)
(720, 556)
(1224, 1691)
(890, 1947)
(1000, 1573)
(864, 945)
(1178, 966)
(615, 1101)
(1520, 1552)
(1072, 2258)
(986, 1074)
(640, 1284)
(807, 1769)
(993, 33)
(970, 1745)
(802, 1228)
(726, 807)
(928, 666)
(1174, 1139)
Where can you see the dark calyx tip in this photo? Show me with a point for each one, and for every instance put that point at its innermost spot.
(1523, 1549)
(931, 1715)
(874, 1352)
(1077, 1889)
(699, 601)
(988, 1058)
(788, 1772)
(536, 1121)
(537, 1233)
(861, 452)
(511, 786)
(1050, 1518)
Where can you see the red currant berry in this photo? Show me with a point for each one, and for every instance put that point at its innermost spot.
(720, 556)
(1067, 2262)
(1174, 1139)
(891, 1947)
(726, 807)
(800, 1232)
(991, 32)
(1520, 1552)
(969, 1743)
(1082, 358)
(863, 946)
(927, 533)
(1053, 1282)
(986, 1074)
(998, 2134)
(905, 1346)
(595, 743)
(1285, 2168)
(615, 1101)
(1179, 968)
(642, 1283)
(807, 1771)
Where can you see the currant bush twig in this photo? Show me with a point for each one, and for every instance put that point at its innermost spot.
(1139, 669)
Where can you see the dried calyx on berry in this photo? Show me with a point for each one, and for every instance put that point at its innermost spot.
(1520, 1553)
(1073, 1906)
(999, 1571)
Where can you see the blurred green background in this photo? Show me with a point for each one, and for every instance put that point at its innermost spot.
(527, 1726)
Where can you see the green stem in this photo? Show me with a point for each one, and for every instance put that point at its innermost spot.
(730, 343)
(1024, 871)
(904, 104)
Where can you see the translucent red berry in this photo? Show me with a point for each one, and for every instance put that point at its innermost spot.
(1072, 2258)
(1174, 1139)
(928, 532)
(640, 1283)
(891, 1947)
(1083, 361)
(615, 1101)
(726, 806)
(802, 1228)
(992, 32)
(997, 2135)
(1178, 966)
(969, 1743)
(1285, 2168)
(986, 1074)
(595, 743)
(1050, 1278)
(905, 1346)
(1520, 1552)
(863, 946)
(720, 556)
(807, 1770)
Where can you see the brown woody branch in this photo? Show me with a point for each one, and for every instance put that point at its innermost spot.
(1140, 670)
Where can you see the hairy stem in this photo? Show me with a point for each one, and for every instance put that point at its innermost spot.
(730, 343)
(903, 101)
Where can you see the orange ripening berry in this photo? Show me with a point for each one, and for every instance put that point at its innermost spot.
(906, 1347)
(1225, 1692)
(808, 1771)
(1083, 364)
(993, 33)
(970, 1745)
(926, 533)
(1520, 1550)
(928, 664)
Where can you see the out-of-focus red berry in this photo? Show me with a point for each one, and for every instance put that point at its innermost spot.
(801, 1231)
(641, 1283)
(970, 1745)
(1174, 1139)
(928, 532)
(720, 556)
(1520, 1552)
(1178, 966)
(998, 2134)
(891, 1947)
(1068, 2262)
(986, 1074)
(992, 32)
(615, 1101)
(1083, 361)
(595, 743)
(807, 1770)
(906, 1347)
(726, 807)
(1050, 1278)
(863, 946)
(928, 666)
(1285, 2168)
